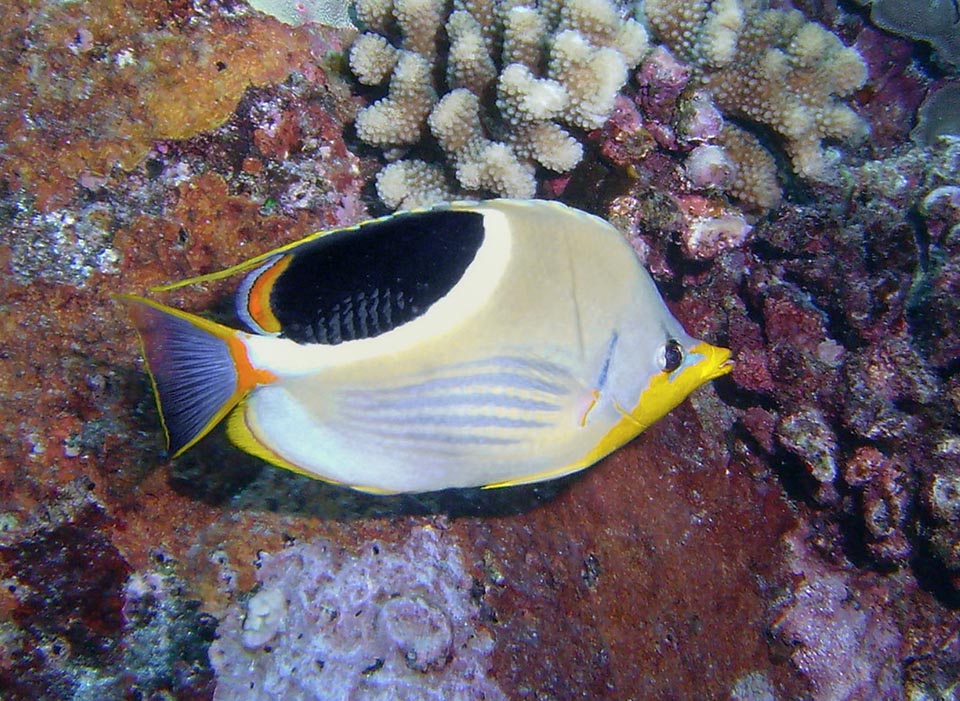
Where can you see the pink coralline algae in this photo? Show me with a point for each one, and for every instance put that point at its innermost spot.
(807, 435)
(69, 584)
(393, 622)
(624, 139)
(837, 633)
(661, 80)
(665, 139)
(87, 626)
(941, 499)
(845, 325)
(895, 90)
(938, 290)
(885, 501)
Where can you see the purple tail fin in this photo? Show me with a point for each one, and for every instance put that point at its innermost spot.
(193, 368)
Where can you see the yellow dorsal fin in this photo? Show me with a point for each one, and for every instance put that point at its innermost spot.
(245, 266)
(252, 263)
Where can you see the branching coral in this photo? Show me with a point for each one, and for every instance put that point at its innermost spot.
(769, 67)
(501, 100)
(755, 176)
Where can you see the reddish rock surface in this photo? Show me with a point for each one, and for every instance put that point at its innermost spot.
(659, 563)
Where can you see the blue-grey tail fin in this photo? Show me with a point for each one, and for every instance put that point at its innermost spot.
(193, 366)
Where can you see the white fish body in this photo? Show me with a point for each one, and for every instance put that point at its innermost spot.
(546, 354)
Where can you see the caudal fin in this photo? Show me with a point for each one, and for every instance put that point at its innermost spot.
(196, 366)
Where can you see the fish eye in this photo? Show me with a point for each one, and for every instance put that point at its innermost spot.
(671, 356)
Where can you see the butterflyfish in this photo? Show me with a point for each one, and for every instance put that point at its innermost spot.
(473, 344)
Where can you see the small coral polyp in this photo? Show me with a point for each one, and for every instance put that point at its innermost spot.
(500, 102)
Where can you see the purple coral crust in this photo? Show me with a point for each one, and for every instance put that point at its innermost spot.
(661, 79)
(846, 339)
(838, 631)
(394, 622)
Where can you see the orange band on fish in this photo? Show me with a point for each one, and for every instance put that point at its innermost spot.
(594, 398)
(248, 376)
(257, 291)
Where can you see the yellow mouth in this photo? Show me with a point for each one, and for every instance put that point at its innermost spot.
(716, 362)
(666, 391)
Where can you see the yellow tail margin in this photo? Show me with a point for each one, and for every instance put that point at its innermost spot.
(200, 370)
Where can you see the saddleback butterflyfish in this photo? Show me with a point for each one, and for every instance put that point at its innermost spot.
(472, 344)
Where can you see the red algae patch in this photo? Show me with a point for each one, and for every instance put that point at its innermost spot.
(654, 564)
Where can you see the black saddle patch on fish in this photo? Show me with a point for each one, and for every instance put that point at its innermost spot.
(362, 282)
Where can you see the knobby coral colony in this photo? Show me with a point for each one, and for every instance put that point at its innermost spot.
(768, 67)
(501, 100)
(502, 87)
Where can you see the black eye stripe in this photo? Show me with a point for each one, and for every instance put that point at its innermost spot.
(672, 356)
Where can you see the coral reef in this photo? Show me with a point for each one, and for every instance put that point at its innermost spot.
(840, 633)
(87, 609)
(939, 115)
(395, 621)
(515, 80)
(628, 589)
(769, 67)
(87, 628)
(896, 87)
(330, 13)
(798, 519)
(666, 139)
(850, 354)
(845, 319)
(754, 180)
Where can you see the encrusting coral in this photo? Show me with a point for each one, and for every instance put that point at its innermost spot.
(500, 100)
(769, 67)
(392, 622)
